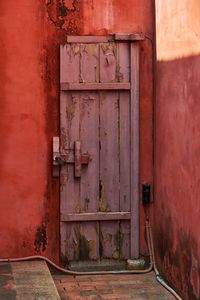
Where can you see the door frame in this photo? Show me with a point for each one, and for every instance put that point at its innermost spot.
(133, 39)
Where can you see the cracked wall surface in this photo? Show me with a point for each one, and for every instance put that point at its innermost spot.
(65, 15)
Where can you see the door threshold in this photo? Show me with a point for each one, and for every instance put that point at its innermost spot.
(102, 265)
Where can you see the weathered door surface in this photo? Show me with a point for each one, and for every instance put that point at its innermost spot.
(99, 106)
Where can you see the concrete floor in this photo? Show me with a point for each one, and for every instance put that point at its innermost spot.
(29, 280)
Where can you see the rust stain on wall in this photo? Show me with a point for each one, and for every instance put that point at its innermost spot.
(65, 14)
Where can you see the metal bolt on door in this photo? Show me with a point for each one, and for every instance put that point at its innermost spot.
(98, 147)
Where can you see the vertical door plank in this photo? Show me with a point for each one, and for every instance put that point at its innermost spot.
(70, 187)
(123, 65)
(124, 76)
(108, 62)
(89, 133)
(89, 63)
(70, 111)
(68, 241)
(89, 189)
(69, 62)
(69, 114)
(134, 150)
(109, 152)
(109, 170)
(125, 239)
(125, 180)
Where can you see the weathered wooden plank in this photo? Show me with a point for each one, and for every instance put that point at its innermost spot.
(107, 38)
(69, 63)
(134, 141)
(69, 187)
(109, 150)
(98, 216)
(125, 239)
(129, 37)
(125, 181)
(89, 187)
(56, 144)
(124, 128)
(89, 64)
(123, 62)
(109, 171)
(94, 86)
(69, 240)
(89, 39)
(108, 62)
(79, 241)
(56, 150)
(69, 114)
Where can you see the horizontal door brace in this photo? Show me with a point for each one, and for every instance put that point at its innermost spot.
(97, 216)
(66, 86)
(119, 37)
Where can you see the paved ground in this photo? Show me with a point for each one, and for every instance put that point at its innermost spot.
(32, 281)
(7, 287)
(29, 280)
(106, 287)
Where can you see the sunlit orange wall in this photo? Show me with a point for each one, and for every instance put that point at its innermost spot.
(177, 145)
(31, 32)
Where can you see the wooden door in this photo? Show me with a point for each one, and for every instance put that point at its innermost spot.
(99, 148)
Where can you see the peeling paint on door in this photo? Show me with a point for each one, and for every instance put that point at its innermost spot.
(99, 119)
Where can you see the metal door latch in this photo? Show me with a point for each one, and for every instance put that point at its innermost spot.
(69, 156)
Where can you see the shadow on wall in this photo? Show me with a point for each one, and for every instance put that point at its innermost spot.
(177, 174)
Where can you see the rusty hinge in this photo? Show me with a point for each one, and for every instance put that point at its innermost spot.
(69, 156)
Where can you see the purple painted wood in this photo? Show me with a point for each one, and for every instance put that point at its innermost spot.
(108, 38)
(94, 86)
(97, 216)
(77, 159)
(109, 171)
(89, 186)
(89, 65)
(99, 107)
(69, 192)
(124, 124)
(125, 170)
(89, 132)
(134, 151)
(69, 67)
(56, 152)
(89, 39)
(129, 37)
(108, 62)
(123, 62)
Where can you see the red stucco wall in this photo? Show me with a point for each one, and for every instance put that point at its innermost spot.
(177, 145)
(31, 32)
